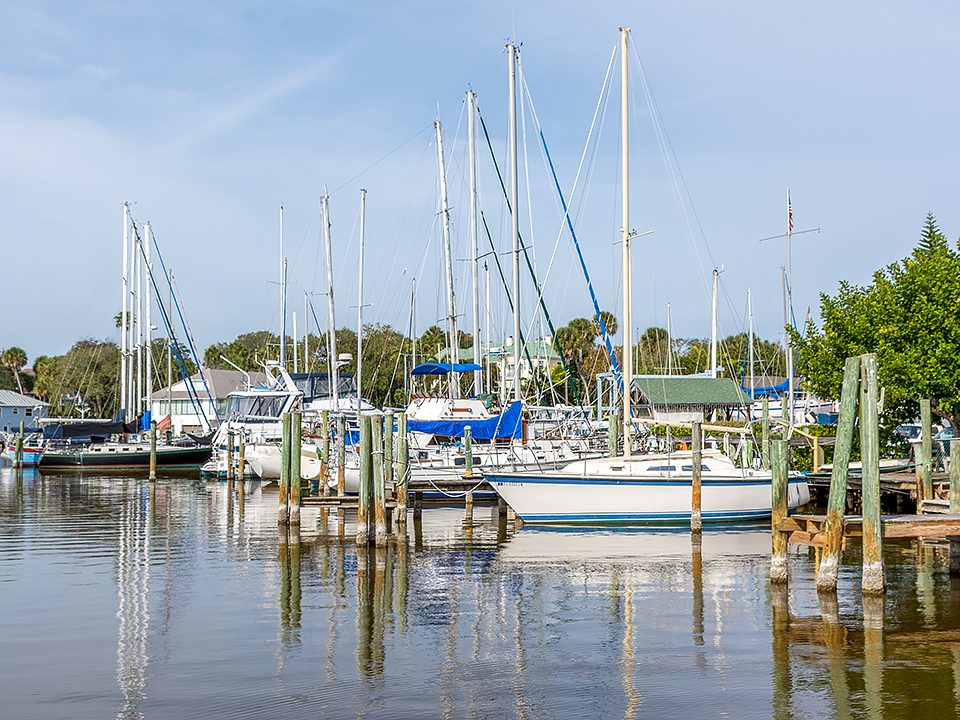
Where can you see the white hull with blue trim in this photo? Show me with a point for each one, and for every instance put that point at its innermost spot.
(642, 489)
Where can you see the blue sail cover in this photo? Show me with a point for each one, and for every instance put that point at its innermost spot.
(444, 368)
(766, 390)
(509, 424)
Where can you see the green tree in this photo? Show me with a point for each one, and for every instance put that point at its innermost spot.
(431, 342)
(90, 370)
(14, 358)
(908, 317)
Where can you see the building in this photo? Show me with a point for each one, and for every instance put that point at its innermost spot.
(684, 398)
(540, 352)
(185, 416)
(16, 408)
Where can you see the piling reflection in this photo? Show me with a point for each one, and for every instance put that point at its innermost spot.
(133, 602)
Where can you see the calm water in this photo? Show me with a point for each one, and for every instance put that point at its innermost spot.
(181, 602)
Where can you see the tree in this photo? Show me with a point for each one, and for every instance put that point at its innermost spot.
(90, 371)
(431, 342)
(908, 317)
(14, 358)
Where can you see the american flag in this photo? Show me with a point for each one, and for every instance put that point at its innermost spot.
(789, 213)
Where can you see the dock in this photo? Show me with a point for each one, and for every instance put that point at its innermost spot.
(803, 529)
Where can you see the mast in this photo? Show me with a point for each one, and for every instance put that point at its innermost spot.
(138, 301)
(123, 314)
(753, 382)
(413, 329)
(453, 335)
(486, 328)
(474, 259)
(148, 330)
(363, 212)
(296, 346)
(306, 334)
(283, 297)
(170, 345)
(789, 310)
(627, 375)
(334, 374)
(713, 323)
(669, 340)
(131, 322)
(514, 212)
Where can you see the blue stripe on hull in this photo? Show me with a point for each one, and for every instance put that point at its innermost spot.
(558, 480)
(718, 516)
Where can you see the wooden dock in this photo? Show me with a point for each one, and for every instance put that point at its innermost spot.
(806, 529)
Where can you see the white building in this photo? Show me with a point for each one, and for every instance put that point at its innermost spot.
(16, 408)
(198, 413)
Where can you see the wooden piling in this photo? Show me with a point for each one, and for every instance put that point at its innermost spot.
(817, 454)
(467, 452)
(837, 500)
(726, 445)
(242, 459)
(325, 449)
(765, 436)
(388, 450)
(379, 488)
(283, 514)
(779, 479)
(18, 448)
(366, 480)
(872, 580)
(468, 505)
(296, 444)
(417, 505)
(229, 455)
(955, 476)
(696, 520)
(925, 466)
(341, 454)
(613, 435)
(403, 470)
(153, 449)
(748, 452)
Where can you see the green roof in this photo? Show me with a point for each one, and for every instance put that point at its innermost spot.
(688, 390)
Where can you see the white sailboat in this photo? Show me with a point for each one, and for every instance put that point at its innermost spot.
(641, 489)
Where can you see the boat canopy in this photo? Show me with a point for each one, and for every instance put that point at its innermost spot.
(87, 430)
(432, 368)
(508, 424)
(766, 390)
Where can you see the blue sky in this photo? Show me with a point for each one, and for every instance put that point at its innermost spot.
(208, 116)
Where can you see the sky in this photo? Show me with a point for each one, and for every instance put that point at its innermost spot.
(207, 117)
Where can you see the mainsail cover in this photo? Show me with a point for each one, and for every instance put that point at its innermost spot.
(509, 424)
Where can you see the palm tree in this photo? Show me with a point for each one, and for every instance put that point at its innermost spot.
(14, 358)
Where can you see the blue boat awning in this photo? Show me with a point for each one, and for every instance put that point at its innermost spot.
(444, 368)
(508, 424)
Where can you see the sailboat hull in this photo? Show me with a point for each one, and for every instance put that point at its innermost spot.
(560, 499)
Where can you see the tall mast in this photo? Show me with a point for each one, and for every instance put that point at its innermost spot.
(514, 212)
(753, 382)
(789, 310)
(713, 323)
(123, 314)
(283, 297)
(669, 340)
(453, 335)
(334, 374)
(306, 334)
(474, 259)
(148, 329)
(138, 301)
(170, 343)
(296, 346)
(131, 322)
(486, 325)
(363, 211)
(625, 230)
(413, 329)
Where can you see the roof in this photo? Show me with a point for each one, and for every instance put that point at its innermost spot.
(537, 347)
(9, 398)
(688, 390)
(220, 382)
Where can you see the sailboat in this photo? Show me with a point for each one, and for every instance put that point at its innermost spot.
(654, 488)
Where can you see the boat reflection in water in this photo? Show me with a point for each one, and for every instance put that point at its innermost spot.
(183, 599)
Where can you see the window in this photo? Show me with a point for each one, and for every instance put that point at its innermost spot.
(662, 468)
(28, 412)
(16, 411)
(703, 468)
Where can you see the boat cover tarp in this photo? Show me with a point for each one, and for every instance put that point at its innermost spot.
(763, 390)
(509, 424)
(64, 431)
(432, 368)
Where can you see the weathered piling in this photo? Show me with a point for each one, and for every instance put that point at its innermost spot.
(18, 448)
(296, 442)
(955, 476)
(366, 480)
(925, 463)
(417, 505)
(283, 513)
(748, 452)
(403, 470)
(837, 499)
(242, 459)
(779, 479)
(817, 454)
(325, 451)
(765, 436)
(696, 520)
(467, 452)
(388, 450)
(726, 445)
(341, 454)
(153, 449)
(229, 455)
(613, 435)
(872, 580)
(379, 488)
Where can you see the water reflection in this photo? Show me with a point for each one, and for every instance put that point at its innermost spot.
(196, 597)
